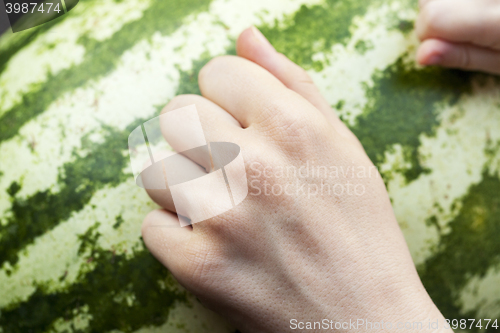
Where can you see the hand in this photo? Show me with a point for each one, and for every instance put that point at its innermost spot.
(461, 34)
(296, 255)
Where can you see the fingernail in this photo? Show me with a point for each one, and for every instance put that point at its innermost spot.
(260, 37)
(434, 60)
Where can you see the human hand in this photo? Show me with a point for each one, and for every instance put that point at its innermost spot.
(294, 255)
(460, 34)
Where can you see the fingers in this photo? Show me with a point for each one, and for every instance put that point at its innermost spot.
(163, 197)
(250, 93)
(253, 46)
(460, 34)
(460, 21)
(169, 243)
(463, 56)
(187, 164)
(217, 125)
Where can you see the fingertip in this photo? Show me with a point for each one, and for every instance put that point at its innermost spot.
(462, 56)
(432, 52)
(244, 42)
(253, 45)
(261, 39)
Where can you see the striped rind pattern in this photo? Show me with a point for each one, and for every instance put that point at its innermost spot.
(436, 177)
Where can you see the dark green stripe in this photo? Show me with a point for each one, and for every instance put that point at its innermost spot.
(402, 105)
(23, 39)
(328, 23)
(315, 28)
(78, 181)
(469, 250)
(101, 57)
(97, 289)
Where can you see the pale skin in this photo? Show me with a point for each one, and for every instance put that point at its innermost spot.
(461, 34)
(280, 257)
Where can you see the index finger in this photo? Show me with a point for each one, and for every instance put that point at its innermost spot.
(250, 93)
(460, 21)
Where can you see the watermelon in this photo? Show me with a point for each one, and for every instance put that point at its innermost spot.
(71, 91)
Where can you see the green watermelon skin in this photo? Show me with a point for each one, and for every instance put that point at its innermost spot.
(71, 90)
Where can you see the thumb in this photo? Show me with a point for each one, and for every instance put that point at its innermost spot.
(253, 46)
(456, 55)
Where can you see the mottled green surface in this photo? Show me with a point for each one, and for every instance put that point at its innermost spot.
(78, 181)
(313, 29)
(163, 16)
(470, 249)
(24, 40)
(95, 294)
(404, 104)
(108, 274)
